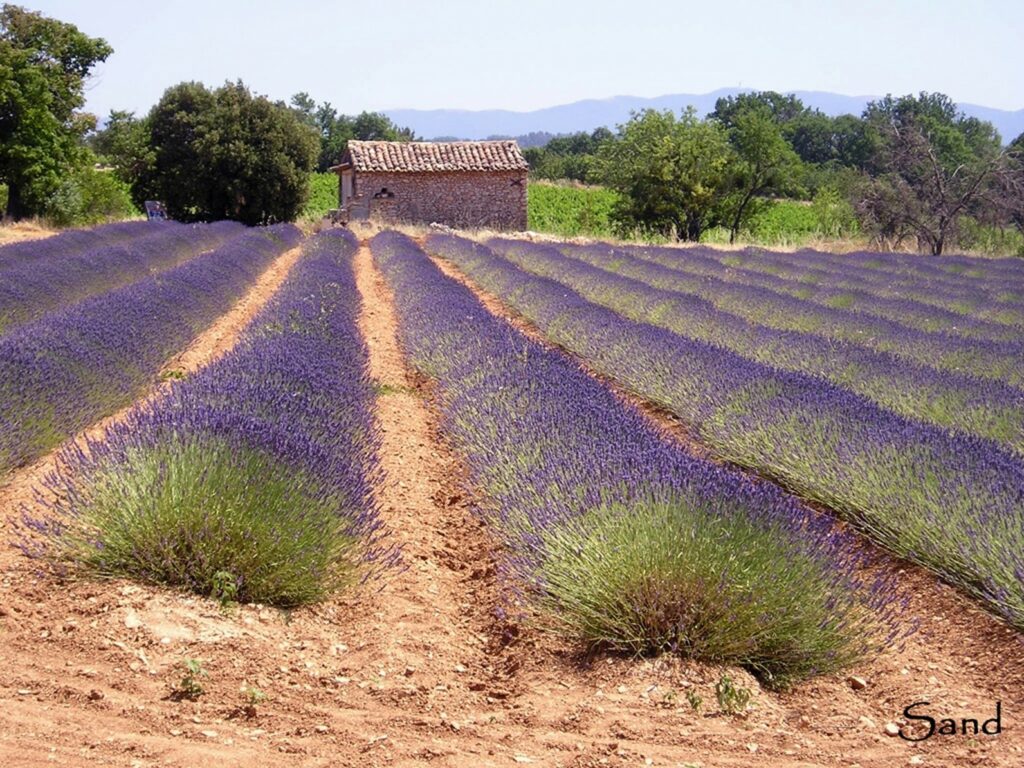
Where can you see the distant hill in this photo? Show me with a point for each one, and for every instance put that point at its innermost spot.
(593, 113)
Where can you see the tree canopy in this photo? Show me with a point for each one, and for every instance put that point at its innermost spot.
(932, 166)
(763, 162)
(670, 172)
(569, 156)
(44, 64)
(780, 108)
(336, 130)
(225, 154)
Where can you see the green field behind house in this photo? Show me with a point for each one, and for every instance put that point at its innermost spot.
(570, 209)
(323, 195)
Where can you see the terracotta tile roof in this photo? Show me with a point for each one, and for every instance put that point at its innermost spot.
(420, 156)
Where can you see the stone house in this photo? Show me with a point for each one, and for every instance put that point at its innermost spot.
(465, 184)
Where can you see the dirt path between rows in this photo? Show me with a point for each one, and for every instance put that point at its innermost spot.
(19, 232)
(961, 659)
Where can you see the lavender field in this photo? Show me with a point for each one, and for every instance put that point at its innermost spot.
(888, 390)
(86, 358)
(914, 435)
(253, 476)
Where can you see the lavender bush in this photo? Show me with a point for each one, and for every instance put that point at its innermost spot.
(251, 478)
(31, 288)
(985, 288)
(950, 502)
(996, 299)
(72, 367)
(619, 537)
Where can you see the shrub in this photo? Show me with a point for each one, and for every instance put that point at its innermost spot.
(212, 509)
(88, 196)
(792, 222)
(323, 195)
(570, 210)
(226, 154)
(989, 240)
(684, 578)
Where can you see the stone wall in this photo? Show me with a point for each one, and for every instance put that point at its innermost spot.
(467, 200)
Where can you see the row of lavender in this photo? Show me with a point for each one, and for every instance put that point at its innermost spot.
(948, 273)
(947, 279)
(998, 279)
(252, 480)
(77, 241)
(951, 502)
(998, 360)
(57, 278)
(801, 276)
(951, 268)
(71, 367)
(980, 407)
(619, 537)
(997, 298)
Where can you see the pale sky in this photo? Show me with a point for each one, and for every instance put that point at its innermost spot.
(527, 54)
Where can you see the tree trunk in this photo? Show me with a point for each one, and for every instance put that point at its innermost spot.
(689, 229)
(15, 206)
(738, 218)
(939, 241)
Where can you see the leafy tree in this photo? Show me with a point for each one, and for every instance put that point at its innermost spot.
(303, 103)
(782, 109)
(336, 130)
(373, 126)
(835, 142)
(827, 142)
(1008, 207)
(89, 196)
(44, 64)
(532, 139)
(812, 136)
(931, 166)
(226, 154)
(570, 156)
(670, 173)
(123, 144)
(854, 142)
(764, 164)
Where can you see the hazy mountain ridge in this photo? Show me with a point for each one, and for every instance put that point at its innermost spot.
(591, 113)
